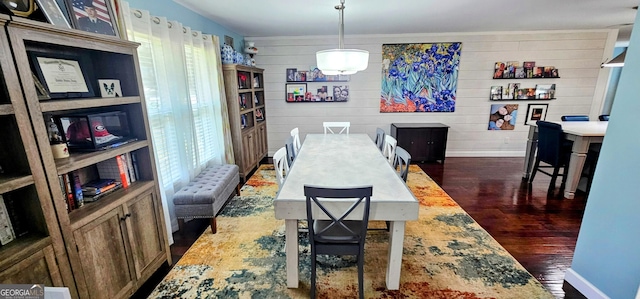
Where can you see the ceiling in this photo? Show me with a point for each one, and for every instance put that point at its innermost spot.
(318, 17)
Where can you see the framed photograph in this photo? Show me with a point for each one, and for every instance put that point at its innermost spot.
(63, 76)
(536, 112)
(93, 16)
(260, 114)
(340, 93)
(545, 91)
(110, 88)
(496, 93)
(291, 74)
(42, 92)
(529, 64)
(53, 13)
(296, 92)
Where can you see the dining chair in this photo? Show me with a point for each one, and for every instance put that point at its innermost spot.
(295, 133)
(280, 165)
(574, 118)
(401, 163)
(390, 148)
(604, 117)
(337, 236)
(291, 152)
(554, 151)
(343, 125)
(380, 138)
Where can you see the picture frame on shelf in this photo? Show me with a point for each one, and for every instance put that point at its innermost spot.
(536, 112)
(85, 16)
(291, 74)
(260, 114)
(53, 13)
(62, 75)
(545, 91)
(496, 93)
(340, 93)
(110, 88)
(43, 93)
(295, 92)
(243, 81)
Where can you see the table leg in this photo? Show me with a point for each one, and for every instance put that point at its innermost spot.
(576, 163)
(532, 144)
(396, 245)
(291, 251)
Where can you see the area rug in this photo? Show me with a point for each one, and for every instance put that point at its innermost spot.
(446, 255)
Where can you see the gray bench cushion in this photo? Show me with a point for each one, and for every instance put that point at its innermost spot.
(205, 195)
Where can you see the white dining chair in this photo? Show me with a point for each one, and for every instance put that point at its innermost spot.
(390, 148)
(295, 133)
(344, 125)
(280, 165)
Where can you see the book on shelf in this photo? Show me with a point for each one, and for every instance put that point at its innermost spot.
(18, 221)
(129, 163)
(68, 191)
(6, 229)
(112, 188)
(63, 187)
(77, 190)
(134, 162)
(114, 168)
(98, 186)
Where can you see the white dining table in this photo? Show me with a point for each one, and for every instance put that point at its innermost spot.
(583, 134)
(346, 160)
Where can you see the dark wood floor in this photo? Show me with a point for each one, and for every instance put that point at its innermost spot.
(539, 231)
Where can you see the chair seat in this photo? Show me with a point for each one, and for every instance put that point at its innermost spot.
(337, 233)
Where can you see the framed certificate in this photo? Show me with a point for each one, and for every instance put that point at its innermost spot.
(63, 76)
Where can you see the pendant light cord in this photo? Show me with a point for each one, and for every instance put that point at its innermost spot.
(341, 25)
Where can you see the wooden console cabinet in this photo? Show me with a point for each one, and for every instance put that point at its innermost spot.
(424, 141)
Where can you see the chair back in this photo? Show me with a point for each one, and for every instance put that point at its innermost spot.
(280, 165)
(380, 138)
(330, 125)
(295, 133)
(402, 162)
(604, 117)
(575, 118)
(550, 143)
(390, 148)
(337, 229)
(291, 152)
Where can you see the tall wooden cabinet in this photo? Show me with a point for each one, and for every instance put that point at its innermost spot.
(424, 141)
(33, 249)
(244, 87)
(104, 249)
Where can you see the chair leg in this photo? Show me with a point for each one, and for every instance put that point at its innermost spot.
(214, 226)
(361, 275)
(554, 177)
(535, 169)
(313, 276)
(181, 225)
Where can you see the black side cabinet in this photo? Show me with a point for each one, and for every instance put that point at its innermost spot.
(424, 141)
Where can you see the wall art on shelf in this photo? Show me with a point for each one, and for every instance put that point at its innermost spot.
(62, 75)
(93, 16)
(313, 75)
(545, 91)
(529, 70)
(53, 13)
(536, 112)
(503, 117)
(419, 77)
(110, 88)
(340, 93)
(496, 93)
(296, 92)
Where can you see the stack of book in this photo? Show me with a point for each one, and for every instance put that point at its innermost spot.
(96, 189)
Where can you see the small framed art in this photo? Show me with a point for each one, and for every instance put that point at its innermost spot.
(53, 13)
(536, 112)
(93, 16)
(296, 92)
(110, 88)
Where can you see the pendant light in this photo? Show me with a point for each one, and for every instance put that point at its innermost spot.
(342, 61)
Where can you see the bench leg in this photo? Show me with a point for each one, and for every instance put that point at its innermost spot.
(214, 228)
(238, 190)
(180, 225)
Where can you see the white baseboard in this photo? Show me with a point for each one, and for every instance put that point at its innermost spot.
(584, 286)
(485, 154)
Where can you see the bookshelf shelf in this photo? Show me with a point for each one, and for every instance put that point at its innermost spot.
(66, 104)
(10, 183)
(6, 109)
(81, 160)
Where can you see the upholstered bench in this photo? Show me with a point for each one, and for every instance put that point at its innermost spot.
(207, 194)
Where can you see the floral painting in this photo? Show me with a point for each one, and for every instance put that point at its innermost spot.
(419, 77)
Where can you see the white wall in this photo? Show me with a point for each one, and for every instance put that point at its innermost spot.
(577, 55)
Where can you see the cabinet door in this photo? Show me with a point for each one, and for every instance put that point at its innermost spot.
(415, 141)
(437, 144)
(103, 255)
(145, 235)
(261, 147)
(248, 151)
(40, 267)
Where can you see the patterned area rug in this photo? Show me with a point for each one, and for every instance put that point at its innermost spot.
(446, 255)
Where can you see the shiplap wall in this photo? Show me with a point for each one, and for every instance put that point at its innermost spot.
(576, 54)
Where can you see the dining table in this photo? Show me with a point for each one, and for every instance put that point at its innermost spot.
(341, 161)
(583, 134)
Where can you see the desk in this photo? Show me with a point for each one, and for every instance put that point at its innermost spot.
(583, 134)
(346, 161)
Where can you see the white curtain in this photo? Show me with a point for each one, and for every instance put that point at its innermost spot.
(185, 100)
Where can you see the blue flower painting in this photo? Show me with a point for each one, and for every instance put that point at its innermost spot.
(419, 77)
